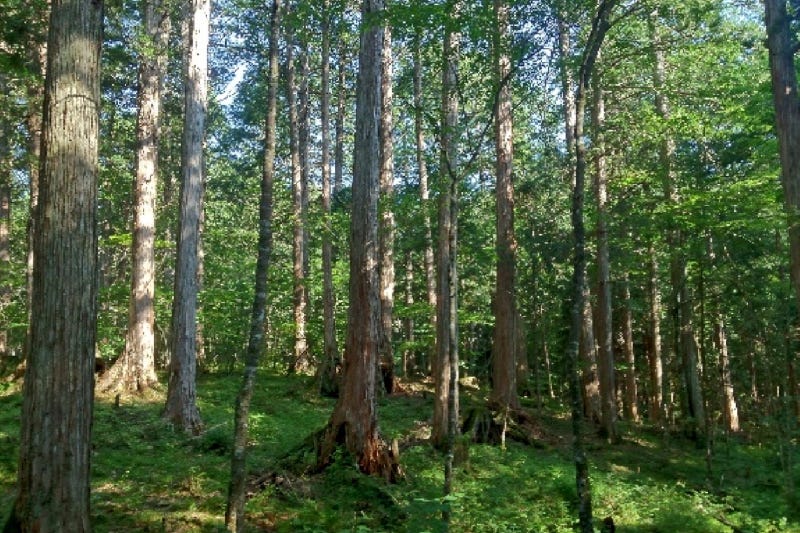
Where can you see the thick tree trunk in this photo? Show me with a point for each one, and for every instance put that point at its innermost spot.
(447, 297)
(605, 353)
(504, 350)
(386, 229)
(135, 369)
(780, 41)
(424, 192)
(681, 300)
(55, 445)
(300, 362)
(181, 407)
(354, 422)
(234, 512)
(330, 366)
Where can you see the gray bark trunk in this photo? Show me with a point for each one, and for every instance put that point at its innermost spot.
(181, 407)
(234, 511)
(55, 445)
(135, 369)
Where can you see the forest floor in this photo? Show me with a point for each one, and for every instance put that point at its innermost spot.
(148, 477)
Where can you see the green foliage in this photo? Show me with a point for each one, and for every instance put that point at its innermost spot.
(145, 475)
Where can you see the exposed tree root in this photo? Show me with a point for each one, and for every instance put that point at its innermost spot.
(488, 425)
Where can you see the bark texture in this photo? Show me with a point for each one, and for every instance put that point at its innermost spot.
(181, 407)
(504, 348)
(135, 369)
(354, 422)
(387, 223)
(234, 511)
(55, 447)
(447, 274)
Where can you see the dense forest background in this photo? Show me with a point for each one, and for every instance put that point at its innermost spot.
(688, 318)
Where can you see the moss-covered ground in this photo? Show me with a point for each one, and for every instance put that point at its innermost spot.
(148, 477)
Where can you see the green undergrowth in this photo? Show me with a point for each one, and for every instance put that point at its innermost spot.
(146, 476)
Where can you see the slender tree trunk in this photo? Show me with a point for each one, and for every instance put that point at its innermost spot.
(446, 300)
(329, 369)
(504, 364)
(341, 101)
(424, 193)
(234, 512)
(654, 349)
(600, 26)
(408, 323)
(354, 422)
(181, 407)
(590, 377)
(447, 319)
(135, 369)
(605, 354)
(386, 229)
(55, 444)
(681, 303)
(631, 392)
(5, 219)
(300, 362)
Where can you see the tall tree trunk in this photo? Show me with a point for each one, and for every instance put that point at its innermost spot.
(354, 422)
(590, 377)
(330, 366)
(55, 444)
(681, 299)
(5, 219)
(424, 192)
(657, 415)
(408, 322)
(446, 300)
(780, 41)
(234, 511)
(605, 353)
(135, 369)
(299, 361)
(181, 407)
(504, 349)
(600, 26)
(631, 393)
(386, 229)
(341, 101)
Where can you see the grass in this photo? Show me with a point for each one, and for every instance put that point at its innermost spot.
(148, 477)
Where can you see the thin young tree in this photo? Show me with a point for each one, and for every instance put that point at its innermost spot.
(504, 361)
(134, 370)
(354, 421)
(600, 26)
(55, 444)
(234, 512)
(181, 406)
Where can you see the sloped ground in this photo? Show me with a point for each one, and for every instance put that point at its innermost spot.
(147, 477)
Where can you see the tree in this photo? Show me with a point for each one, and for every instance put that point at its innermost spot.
(135, 370)
(354, 422)
(446, 363)
(234, 512)
(386, 229)
(55, 447)
(181, 407)
(605, 355)
(600, 26)
(504, 361)
(329, 384)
